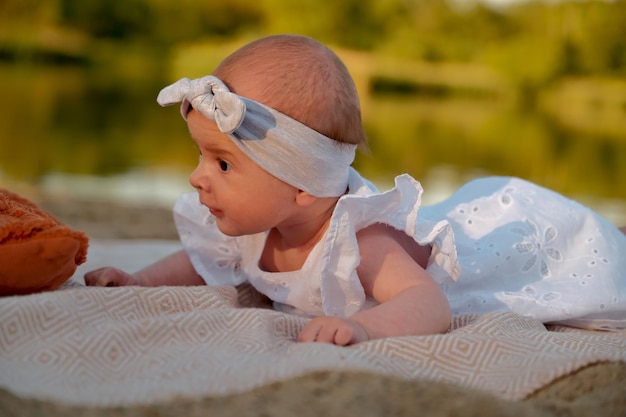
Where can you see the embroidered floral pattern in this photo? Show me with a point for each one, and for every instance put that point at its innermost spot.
(537, 246)
(228, 259)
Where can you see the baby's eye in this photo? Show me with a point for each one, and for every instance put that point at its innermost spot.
(224, 166)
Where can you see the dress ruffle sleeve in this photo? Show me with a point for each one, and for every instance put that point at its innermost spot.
(362, 207)
(215, 256)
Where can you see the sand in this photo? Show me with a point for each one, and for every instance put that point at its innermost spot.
(598, 390)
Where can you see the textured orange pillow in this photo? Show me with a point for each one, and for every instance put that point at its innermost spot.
(37, 252)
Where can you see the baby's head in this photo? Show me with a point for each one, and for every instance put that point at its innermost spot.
(289, 104)
(301, 78)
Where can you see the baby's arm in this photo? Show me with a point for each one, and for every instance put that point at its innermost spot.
(175, 269)
(411, 302)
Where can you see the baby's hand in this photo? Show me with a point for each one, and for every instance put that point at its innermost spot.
(333, 330)
(110, 277)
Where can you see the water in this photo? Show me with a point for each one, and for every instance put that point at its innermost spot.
(92, 134)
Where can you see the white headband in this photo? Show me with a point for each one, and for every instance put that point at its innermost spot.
(282, 146)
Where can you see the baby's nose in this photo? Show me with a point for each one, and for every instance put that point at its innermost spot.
(199, 180)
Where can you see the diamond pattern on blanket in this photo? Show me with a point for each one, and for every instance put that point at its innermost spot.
(131, 345)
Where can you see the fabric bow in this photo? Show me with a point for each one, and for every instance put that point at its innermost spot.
(208, 95)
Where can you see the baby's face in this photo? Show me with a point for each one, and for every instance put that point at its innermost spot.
(244, 198)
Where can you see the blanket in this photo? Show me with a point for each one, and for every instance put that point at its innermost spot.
(127, 346)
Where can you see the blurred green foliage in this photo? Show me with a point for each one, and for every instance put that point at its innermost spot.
(531, 44)
(552, 38)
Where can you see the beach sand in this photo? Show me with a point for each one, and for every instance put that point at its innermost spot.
(594, 391)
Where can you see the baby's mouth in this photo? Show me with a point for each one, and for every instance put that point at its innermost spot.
(216, 212)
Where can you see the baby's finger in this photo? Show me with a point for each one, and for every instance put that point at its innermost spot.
(309, 332)
(326, 333)
(100, 277)
(344, 336)
(91, 277)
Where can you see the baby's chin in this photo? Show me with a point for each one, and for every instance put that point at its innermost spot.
(232, 231)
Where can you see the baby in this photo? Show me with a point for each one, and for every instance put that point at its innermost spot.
(278, 205)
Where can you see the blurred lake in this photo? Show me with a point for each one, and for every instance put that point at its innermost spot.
(88, 133)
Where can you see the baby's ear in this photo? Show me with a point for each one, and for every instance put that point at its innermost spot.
(304, 199)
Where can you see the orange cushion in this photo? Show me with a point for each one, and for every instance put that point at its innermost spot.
(37, 252)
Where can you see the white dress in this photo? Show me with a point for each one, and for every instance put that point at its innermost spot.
(499, 244)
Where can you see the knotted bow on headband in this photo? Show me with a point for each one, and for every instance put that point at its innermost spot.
(282, 146)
